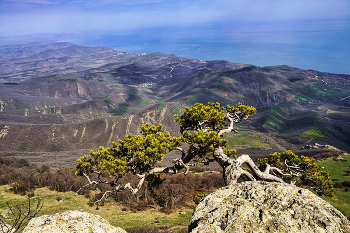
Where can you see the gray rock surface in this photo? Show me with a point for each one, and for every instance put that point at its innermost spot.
(6, 228)
(71, 221)
(266, 207)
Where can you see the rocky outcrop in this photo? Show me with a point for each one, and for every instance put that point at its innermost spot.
(71, 221)
(266, 207)
(6, 228)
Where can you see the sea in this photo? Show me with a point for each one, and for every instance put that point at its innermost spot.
(321, 46)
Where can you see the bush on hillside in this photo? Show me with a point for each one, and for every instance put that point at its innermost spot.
(346, 183)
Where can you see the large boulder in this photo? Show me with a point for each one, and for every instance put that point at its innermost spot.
(266, 207)
(71, 221)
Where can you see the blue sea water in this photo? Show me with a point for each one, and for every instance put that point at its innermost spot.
(325, 49)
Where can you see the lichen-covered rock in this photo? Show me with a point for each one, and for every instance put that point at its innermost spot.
(6, 228)
(266, 207)
(71, 221)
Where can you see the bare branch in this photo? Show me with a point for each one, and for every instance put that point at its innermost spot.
(279, 171)
(21, 215)
(104, 196)
(129, 186)
(90, 183)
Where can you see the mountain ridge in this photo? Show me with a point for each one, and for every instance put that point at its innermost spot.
(93, 88)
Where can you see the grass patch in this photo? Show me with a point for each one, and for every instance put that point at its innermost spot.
(95, 114)
(228, 80)
(194, 98)
(311, 134)
(244, 140)
(322, 90)
(174, 110)
(337, 169)
(161, 106)
(276, 113)
(270, 125)
(144, 101)
(111, 212)
(302, 97)
(241, 127)
(341, 201)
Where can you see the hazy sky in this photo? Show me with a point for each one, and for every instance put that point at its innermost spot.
(310, 34)
(18, 17)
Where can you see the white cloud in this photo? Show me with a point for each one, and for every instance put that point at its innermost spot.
(76, 16)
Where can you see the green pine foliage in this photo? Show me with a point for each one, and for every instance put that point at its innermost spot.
(208, 142)
(198, 197)
(206, 121)
(310, 173)
(212, 115)
(154, 180)
(136, 153)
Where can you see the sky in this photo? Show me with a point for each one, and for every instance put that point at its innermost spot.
(206, 29)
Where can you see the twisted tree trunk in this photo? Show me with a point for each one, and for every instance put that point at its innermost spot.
(232, 169)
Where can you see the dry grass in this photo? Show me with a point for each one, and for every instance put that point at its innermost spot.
(111, 212)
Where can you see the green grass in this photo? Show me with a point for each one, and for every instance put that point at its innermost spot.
(110, 211)
(270, 124)
(276, 113)
(241, 127)
(311, 134)
(228, 80)
(322, 90)
(174, 110)
(341, 201)
(144, 101)
(337, 169)
(161, 106)
(244, 140)
(302, 97)
(95, 114)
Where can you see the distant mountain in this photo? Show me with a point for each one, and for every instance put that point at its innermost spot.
(61, 97)
(23, 61)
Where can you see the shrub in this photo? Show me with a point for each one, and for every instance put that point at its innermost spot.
(218, 180)
(337, 185)
(198, 197)
(346, 183)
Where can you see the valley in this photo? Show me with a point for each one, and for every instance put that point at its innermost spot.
(60, 100)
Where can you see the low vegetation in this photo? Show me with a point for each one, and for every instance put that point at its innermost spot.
(113, 212)
(311, 134)
(340, 172)
(247, 139)
(126, 212)
(126, 174)
(165, 208)
(174, 192)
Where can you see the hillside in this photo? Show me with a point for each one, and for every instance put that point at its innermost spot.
(60, 100)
